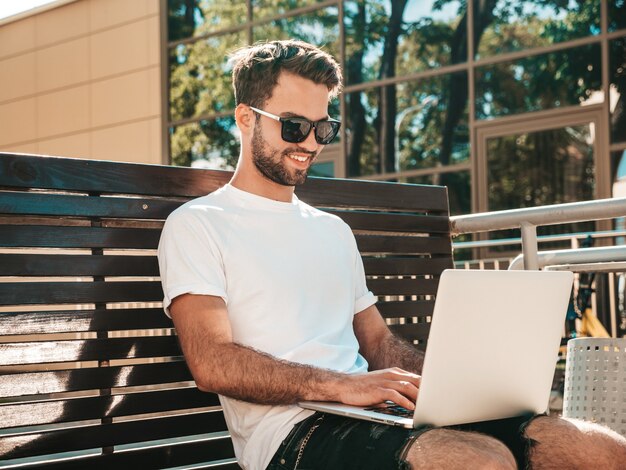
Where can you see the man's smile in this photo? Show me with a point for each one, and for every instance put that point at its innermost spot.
(299, 158)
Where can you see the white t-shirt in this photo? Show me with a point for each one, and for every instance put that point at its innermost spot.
(292, 279)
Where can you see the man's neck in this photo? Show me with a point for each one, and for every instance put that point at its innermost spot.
(261, 186)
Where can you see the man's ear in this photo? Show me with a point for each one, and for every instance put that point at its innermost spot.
(244, 117)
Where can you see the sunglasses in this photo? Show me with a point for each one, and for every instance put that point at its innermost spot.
(297, 129)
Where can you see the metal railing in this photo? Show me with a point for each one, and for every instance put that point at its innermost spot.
(572, 238)
(528, 219)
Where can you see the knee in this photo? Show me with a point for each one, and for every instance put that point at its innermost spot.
(569, 443)
(459, 450)
(501, 459)
(494, 455)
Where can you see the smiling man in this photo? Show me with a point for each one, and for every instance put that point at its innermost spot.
(270, 303)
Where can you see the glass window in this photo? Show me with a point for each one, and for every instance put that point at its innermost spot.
(411, 125)
(545, 81)
(265, 8)
(458, 183)
(431, 124)
(617, 90)
(386, 39)
(206, 144)
(505, 26)
(200, 81)
(538, 168)
(190, 18)
(320, 28)
(362, 136)
(617, 14)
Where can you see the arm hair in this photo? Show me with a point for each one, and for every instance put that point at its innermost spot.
(222, 366)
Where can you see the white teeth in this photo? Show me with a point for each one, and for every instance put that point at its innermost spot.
(299, 158)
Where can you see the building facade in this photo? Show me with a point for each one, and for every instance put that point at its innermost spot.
(509, 104)
(83, 79)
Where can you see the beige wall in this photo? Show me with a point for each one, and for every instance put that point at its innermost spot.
(83, 80)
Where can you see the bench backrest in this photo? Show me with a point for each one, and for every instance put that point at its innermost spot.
(88, 361)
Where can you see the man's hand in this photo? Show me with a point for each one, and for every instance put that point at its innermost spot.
(373, 388)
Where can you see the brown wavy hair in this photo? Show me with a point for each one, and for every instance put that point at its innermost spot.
(256, 69)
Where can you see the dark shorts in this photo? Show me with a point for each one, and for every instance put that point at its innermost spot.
(325, 441)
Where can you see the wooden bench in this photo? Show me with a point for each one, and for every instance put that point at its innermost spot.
(91, 375)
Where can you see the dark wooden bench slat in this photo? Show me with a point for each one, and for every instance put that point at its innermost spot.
(207, 449)
(381, 221)
(406, 308)
(25, 171)
(403, 286)
(36, 204)
(405, 266)
(374, 195)
(92, 378)
(229, 466)
(41, 352)
(41, 236)
(119, 265)
(77, 265)
(45, 322)
(110, 406)
(43, 293)
(85, 206)
(113, 238)
(403, 245)
(104, 435)
(70, 174)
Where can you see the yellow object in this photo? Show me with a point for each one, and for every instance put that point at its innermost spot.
(591, 326)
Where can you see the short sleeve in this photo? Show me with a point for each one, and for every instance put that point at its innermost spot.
(190, 259)
(363, 297)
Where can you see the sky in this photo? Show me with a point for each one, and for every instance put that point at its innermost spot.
(13, 7)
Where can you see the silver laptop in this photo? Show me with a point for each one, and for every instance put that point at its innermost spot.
(492, 349)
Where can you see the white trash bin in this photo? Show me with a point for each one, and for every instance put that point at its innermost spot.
(595, 381)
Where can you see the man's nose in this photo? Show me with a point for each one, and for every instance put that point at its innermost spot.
(310, 143)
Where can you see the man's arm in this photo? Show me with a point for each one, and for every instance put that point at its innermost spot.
(219, 365)
(381, 347)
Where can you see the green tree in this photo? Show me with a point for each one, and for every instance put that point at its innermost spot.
(199, 81)
(200, 85)
(356, 24)
(388, 106)
(181, 18)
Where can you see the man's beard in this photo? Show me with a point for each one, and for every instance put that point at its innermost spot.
(270, 161)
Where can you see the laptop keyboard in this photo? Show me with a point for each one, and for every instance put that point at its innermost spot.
(392, 409)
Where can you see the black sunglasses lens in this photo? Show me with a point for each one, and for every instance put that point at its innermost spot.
(325, 131)
(295, 130)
